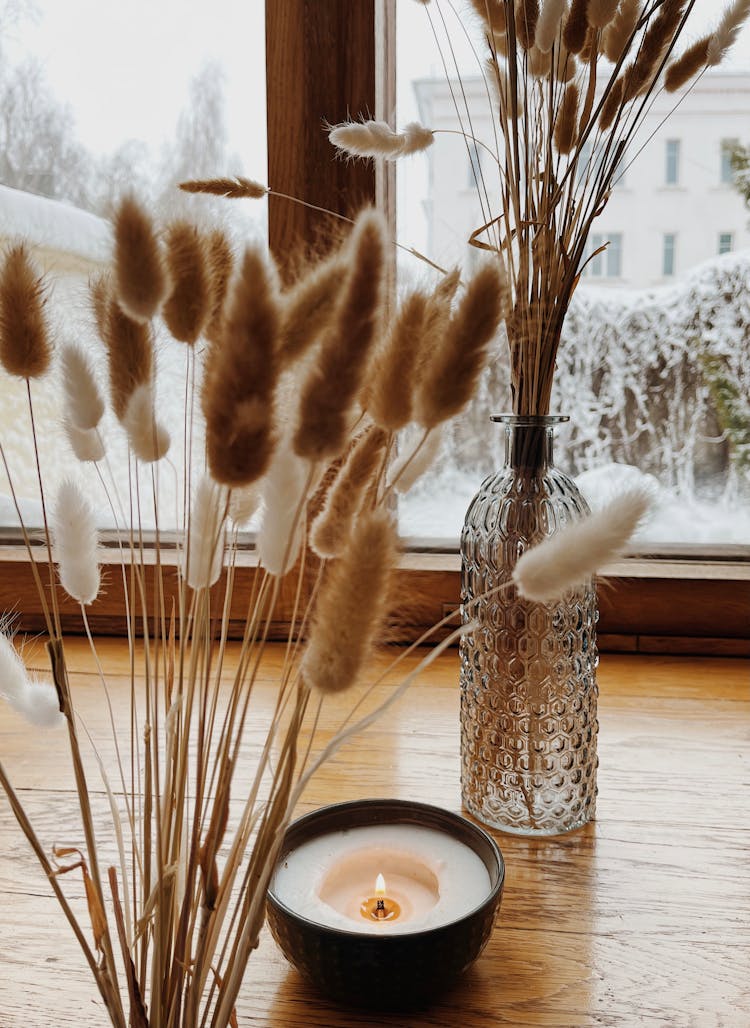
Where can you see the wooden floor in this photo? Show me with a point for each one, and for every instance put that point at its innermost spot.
(642, 918)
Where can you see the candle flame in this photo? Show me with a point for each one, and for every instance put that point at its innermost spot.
(380, 886)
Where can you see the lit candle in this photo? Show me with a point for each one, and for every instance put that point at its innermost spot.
(392, 879)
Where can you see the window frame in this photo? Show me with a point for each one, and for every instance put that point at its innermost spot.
(330, 61)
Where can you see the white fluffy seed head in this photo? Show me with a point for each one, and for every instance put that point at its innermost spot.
(34, 699)
(378, 139)
(148, 438)
(75, 543)
(570, 557)
(243, 504)
(413, 463)
(734, 17)
(282, 525)
(205, 544)
(83, 400)
(85, 443)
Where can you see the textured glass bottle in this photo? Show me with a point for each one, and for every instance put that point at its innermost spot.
(528, 671)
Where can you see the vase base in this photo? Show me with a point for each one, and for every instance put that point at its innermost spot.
(517, 826)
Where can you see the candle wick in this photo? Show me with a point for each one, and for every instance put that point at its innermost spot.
(380, 908)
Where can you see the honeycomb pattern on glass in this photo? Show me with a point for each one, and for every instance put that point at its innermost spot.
(528, 671)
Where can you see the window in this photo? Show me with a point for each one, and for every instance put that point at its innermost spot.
(725, 242)
(672, 176)
(608, 263)
(474, 177)
(725, 162)
(668, 254)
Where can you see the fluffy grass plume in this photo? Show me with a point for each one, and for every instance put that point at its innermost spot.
(148, 438)
(732, 20)
(687, 65)
(378, 139)
(527, 17)
(566, 126)
(140, 278)
(390, 397)
(307, 308)
(83, 401)
(492, 14)
(335, 378)
(75, 543)
(576, 26)
(452, 373)
(236, 188)
(351, 606)
(601, 12)
(85, 443)
(130, 355)
(414, 461)
(241, 373)
(282, 528)
(205, 543)
(332, 527)
(35, 700)
(571, 556)
(619, 31)
(188, 304)
(243, 503)
(220, 259)
(549, 23)
(25, 347)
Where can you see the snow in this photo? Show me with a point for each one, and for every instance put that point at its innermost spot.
(53, 225)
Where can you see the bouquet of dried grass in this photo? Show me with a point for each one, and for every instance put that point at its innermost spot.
(293, 399)
(568, 84)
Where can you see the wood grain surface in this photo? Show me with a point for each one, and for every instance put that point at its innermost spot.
(642, 918)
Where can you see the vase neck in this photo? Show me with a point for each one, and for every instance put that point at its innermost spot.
(528, 446)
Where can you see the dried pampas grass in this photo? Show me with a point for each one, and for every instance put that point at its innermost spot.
(35, 700)
(574, 554)
(25, 347)
(204, 552)
(351, 606)
(140, 278)
(236, 188)
(75, 544)
(83, 401)
(189, 303)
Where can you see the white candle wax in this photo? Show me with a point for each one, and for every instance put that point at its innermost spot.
(434, 878)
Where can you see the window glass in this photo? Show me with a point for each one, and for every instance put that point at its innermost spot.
(653, 375)
(99, 100)
(725, 165)
(725, 242)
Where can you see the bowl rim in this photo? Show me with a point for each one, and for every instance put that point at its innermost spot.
(393, 807)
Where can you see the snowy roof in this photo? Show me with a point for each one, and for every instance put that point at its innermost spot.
(67, 236)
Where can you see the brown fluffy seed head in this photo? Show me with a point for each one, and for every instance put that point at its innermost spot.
(332, 527)
(453, 372)
(307, 308)
(130, 355)
(220, 260)
(527, 16)
(601, 12)
(351, 606)
(639, 75)
(241, 373)
(492, 14)
(566, 124)
(188, 305)
(687, 66)
(576, 27)
(619, 31)
(390, 398)
(140, 278)
(336, 376)
(611, 105)
(236, 188)
(100, 289)
(25, 347)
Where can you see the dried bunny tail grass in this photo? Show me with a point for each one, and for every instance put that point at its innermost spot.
(243, 503)
(453, 371)
(448, 285)
(565, 64)
(566, 123)
(85, 443)
(332, 527)
(140, 278)
(413, 463)
(307, 308)
(75, 543)
(220, 261)
(612, 105)
(332, 385)
(657, 37)
(204, 552)
(601, 12)
(282, 528)
(527, 16)
(539, 63)
(240, 377)
(188, 305)
(35, 700)
(390, 399)
(618, 33)
(236, 188)
(687, 65)
(378, 139)
(734, 17)
(493, 15)
(130, 355)
(83, 401)
(100, 291)
(25, 347)
(574, 554)
(148, 438)
(576, 26)
(351, 606)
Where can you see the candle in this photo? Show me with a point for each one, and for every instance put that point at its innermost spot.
(428, 878)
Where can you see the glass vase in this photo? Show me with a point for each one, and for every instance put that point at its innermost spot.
(528, 670)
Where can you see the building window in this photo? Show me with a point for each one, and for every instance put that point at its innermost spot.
(725, 166)
(725, 242)
(475, 166)
(673, 162)
(608, 263)
(668, 253)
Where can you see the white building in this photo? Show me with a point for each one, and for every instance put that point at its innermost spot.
(673, 208)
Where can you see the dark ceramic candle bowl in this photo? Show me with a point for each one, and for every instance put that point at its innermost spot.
(403, 971)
